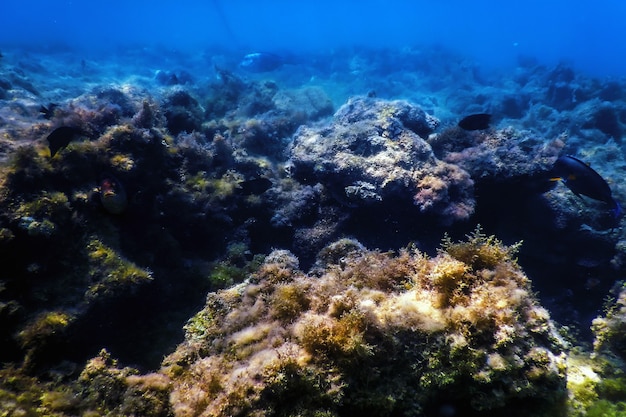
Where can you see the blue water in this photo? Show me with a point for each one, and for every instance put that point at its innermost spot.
(587, 34)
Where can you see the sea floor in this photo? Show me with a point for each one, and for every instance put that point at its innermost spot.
(178, 173)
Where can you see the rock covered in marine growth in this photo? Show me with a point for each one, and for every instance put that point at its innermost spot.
(375, 334)
(501, 155)
(596, 382)
(610, 328)
(374, 151)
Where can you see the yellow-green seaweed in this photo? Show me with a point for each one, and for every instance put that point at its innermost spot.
(111, 272)
(374, 329)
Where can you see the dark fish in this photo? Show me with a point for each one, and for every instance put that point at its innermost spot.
(61, 137)
(478, 121)
(48, 112)
(254, 186)
(261, 62)
(584, 180)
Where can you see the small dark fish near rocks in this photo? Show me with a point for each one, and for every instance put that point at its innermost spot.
(48, 112)
(61, 137)
(254, 186)
(581, 179)
(478, 121)
(261, 62)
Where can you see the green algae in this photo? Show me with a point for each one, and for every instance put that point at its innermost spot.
(47, 204)
(605, 408)
(237, 264)
(101, 389)
(612, 389)
(111, 272)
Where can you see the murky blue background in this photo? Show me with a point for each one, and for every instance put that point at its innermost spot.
(588, 34)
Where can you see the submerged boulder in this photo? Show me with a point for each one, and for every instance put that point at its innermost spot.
(374, 152)
(370, 333)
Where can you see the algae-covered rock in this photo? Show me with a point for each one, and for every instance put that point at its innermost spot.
(374, 334)
(102, 388)
(312, 102)
(610, 328)
(499, 156)
(110, 273)
(374, 151)
(595, 382)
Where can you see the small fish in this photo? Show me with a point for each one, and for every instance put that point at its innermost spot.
(61, 137)
(261, 62)
(254, 186)
(478, 121)
(48, 112)
(581, 179)
(112, 195)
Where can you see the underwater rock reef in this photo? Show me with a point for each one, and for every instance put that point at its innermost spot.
(373, 334)
(91, 228)
(367, 332)
(374, 151)
(190, 239)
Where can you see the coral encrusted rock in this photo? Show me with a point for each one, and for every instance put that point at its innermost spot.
(374, 152)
